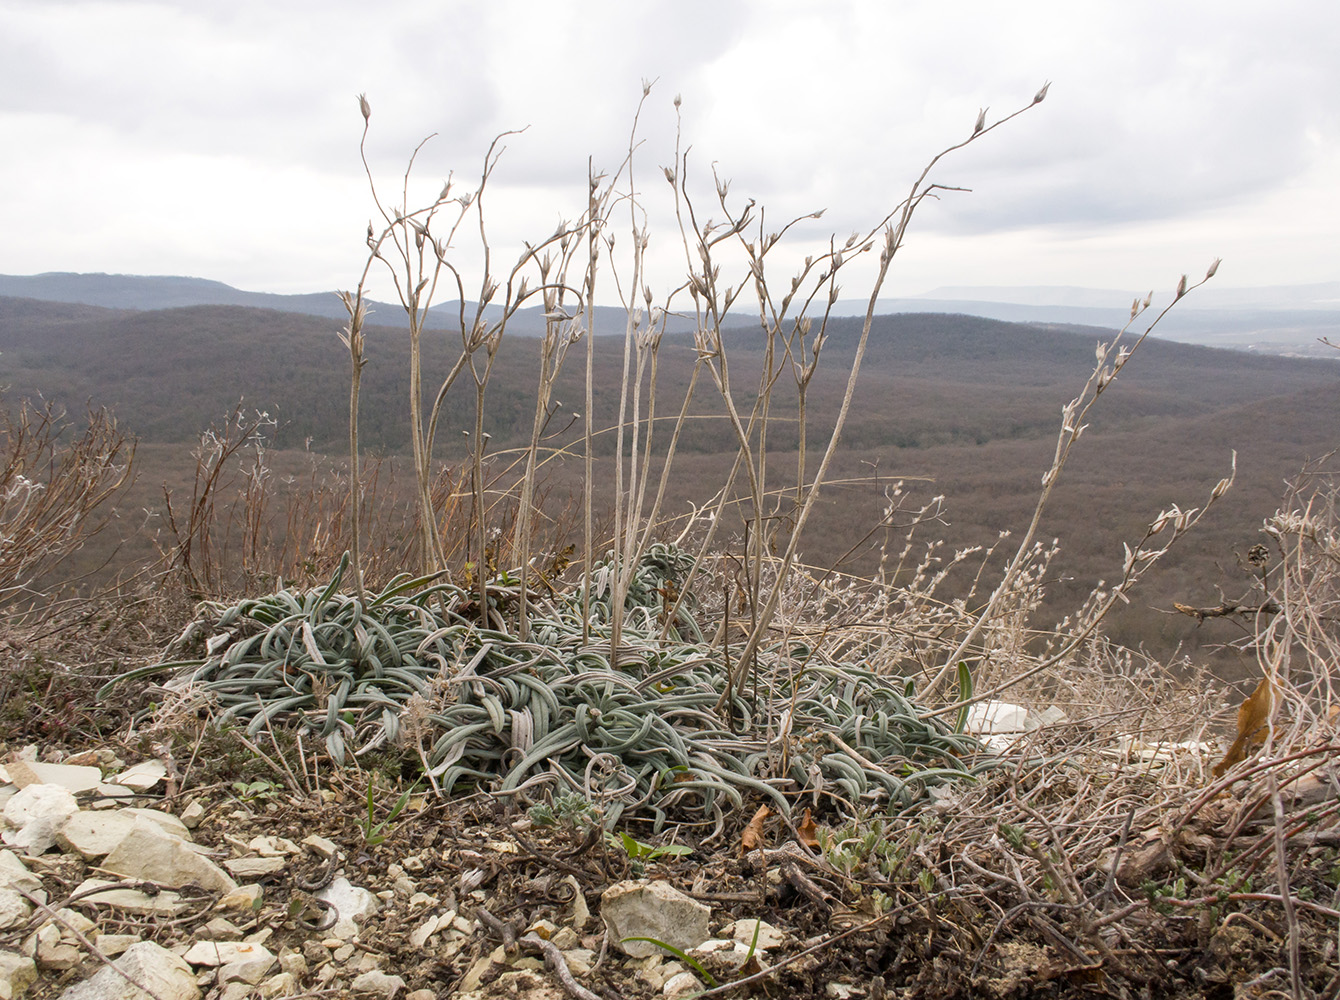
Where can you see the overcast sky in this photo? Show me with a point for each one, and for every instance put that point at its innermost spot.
(220, 139)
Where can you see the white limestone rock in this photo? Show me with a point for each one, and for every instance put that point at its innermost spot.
(656, 910)
(378, 983)
(245, 868)
(212, 954)
(148, 852)
(34, 814)
(14, 874)
(350, 902)
(73, 778)
(769, 937)
(142, 776)
(165, 974)
(14, 909)
(163, 904)
(17, 973)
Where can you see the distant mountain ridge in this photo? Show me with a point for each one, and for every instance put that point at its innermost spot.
(150, 293)
(1282, 319)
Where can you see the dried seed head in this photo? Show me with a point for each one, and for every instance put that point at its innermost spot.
(646, 87)
(1181, 288)
(1041, 94)
(364, 106)
(678, 100)
(981, 121)
(1213, 268)
(669, 174)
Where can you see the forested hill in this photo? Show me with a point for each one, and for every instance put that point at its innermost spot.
(928, 378)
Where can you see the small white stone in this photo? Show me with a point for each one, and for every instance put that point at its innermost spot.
(215, 953)
(280, 985)
(221, 929)
(112, 945)
(34, 814)
(142, 776)
(580, 960)
(351, 903)
(680, 984)
(72, 778)
(14, 909)
(245, 897)
(322, 846)
(769, 937)
(254, 867)
(657, 910)
(192, 815)
(378, 982)
(14, 874)
(17, 973)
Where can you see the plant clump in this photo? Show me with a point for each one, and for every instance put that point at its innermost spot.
(480, 706)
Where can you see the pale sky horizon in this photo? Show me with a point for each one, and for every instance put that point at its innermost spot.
(220, 140)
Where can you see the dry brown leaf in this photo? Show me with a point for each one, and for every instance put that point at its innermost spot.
(1253, 722)
(807, 831)
(753, 837)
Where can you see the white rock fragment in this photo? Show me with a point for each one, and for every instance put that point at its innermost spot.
(17, 973)
(769, 937)
(73, 778)
(322, 846)
(165, 975)
(580, 960)
(350, 902)
(34, 814)
(273, 847)
(681, 984)
(220, 929)
(212, 954)
(14, 909)
(280, 985)
(14, 874)
(248, 969)
(246, 898)
(192, 815)
(142, 776)
(420, 935)
(721, 955)
(254, 867)
(148, 852)
(166, 903)
(166, 821)
(94, 834)
(657, 910)
(112, 945)
(111, 796)
(378, 982)
(48, 948)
